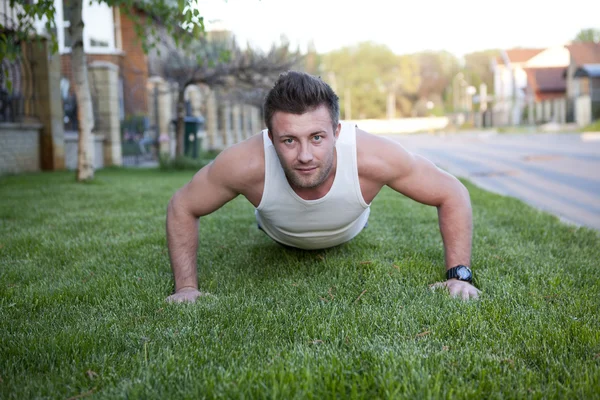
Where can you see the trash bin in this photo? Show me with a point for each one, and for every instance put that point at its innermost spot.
(192, 139)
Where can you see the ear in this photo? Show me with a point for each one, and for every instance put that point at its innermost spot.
(336, 134)
(270, 135)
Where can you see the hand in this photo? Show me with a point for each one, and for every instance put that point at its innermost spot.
(185, 295)
(458, 288)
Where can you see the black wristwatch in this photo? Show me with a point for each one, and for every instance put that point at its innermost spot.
(460, 272)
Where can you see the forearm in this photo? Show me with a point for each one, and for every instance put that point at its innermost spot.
(456, 226)
(182, 241)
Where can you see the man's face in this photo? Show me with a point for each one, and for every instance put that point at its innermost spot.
(305, 145)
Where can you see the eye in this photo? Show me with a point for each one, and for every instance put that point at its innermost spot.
(288, 141)
(317, 138)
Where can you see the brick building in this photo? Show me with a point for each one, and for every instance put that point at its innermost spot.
(125, 97)
(113, 39)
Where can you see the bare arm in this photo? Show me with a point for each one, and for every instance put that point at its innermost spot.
(424, 182)
(211, 187)
(419, 179)
(203, 195)
(182, 241)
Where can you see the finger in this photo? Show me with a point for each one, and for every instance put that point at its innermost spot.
(190, 298)
(464, 294)
(178, 298)
(454, 291)
(437, 285)
(474, 292)
(170, 299)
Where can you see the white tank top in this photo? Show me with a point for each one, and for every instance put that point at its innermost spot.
(314, 224)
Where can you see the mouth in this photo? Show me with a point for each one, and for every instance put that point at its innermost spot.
(306, 170)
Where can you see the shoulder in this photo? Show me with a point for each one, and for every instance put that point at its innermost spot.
(240, 165)
(380, 158)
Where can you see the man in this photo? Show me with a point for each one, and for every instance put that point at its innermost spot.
(312, 179)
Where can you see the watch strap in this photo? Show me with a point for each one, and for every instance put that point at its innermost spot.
(452, 273)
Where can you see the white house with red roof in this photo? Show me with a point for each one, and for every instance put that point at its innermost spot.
(583, 82)
(512, 81)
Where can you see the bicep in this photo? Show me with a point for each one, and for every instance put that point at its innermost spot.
(208, 190)
(421, 180)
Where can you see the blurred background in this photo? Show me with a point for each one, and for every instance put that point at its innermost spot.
(400, 67)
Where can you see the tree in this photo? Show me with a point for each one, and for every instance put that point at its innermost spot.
(478, 67)
(436, 72)
(588, 35)
(20, 19)
(410, 79)
(217, 61)
(180, 18)
(312, 60)
(477, 70)
(370, 78)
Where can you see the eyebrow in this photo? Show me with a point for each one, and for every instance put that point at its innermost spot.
(310, 134)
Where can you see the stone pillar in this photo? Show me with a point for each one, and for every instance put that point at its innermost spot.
(46, 78)
(194, 96)
(236, 115)
(104, 85)
(225, 117)
(250, 122)
(160, 101)
(256, 120)
(246, 132)
(212, 121)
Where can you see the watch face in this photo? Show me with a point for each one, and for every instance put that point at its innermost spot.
(464, 274)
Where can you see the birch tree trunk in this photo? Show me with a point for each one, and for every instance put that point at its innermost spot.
(85, 113)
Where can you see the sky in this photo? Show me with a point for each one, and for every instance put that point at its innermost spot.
(459, 26)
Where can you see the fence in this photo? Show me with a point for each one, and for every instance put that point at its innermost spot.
(17, 97)
(138, 141)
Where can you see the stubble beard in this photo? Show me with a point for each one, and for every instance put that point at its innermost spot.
(309, 182)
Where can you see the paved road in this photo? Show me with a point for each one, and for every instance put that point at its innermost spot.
(559, 173)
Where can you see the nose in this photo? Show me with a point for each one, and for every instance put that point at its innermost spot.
(305, 155)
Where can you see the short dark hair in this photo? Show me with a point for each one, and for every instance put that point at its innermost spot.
(298, 92)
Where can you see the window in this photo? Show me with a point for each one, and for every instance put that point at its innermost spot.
(99, 31)
(63, 15)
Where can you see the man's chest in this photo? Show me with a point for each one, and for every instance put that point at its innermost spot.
(368, 188)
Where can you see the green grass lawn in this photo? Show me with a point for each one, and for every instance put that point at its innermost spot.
(84, 274)
(593, 127)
